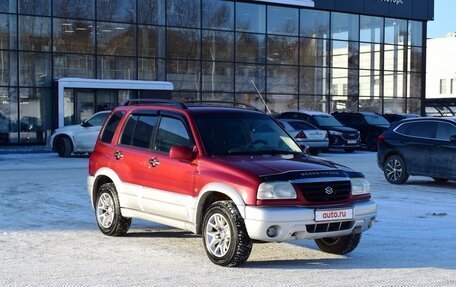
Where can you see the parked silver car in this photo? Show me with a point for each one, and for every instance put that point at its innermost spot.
(78, 138)
(307, 135)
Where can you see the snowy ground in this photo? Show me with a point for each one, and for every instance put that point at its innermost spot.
(48, 237)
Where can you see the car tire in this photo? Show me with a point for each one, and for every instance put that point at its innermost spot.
(339, 245)
(440, 179)
(225, 237)
(395, 170)
(349, 150)
(371, 144)
(64, 146)
(107, 212)
(314, 152)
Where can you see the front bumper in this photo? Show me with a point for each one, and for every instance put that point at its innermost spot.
(314, 144)
(296, 222)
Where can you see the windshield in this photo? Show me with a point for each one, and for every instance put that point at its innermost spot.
(376, 120)
(234, 133)
(327, 121)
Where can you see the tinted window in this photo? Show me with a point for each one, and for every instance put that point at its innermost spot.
(127, 135)
(172, 132)
(301, 126)
(376, 120)
(403, 129)
(327, 121)
(445, 131)
(422, 130)
(97, 120)
(111, 126)
(144, 129)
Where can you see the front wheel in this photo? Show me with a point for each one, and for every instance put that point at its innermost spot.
(225, 237)
(395, 170)
(339, 245)
(107, 211)
(64, 146)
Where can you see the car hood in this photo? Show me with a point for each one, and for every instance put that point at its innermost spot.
(265, 166)
(340, 129)
(68, 128)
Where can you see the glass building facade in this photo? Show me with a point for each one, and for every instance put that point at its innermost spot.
(296, 57)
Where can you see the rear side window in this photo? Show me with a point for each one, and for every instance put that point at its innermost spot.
(172, 132)
(445, 131)
(111, 126)
(422, 129)
(129, 129)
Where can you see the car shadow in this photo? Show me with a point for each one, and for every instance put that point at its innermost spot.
(160, 233)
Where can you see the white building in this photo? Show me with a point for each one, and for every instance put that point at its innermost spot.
(441, 67)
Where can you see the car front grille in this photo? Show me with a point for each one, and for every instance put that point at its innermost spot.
(329, 227)
(325, 191)
(350, 136)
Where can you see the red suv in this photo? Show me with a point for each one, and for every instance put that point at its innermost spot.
(232, 174)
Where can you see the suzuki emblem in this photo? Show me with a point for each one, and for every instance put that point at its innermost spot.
(329, 190)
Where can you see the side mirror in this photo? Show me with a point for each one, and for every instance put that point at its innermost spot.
(453, 139)
(85, 124)
(182, 153)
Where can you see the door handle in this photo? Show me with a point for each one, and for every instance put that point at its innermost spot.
(154, 162)
(118, 155)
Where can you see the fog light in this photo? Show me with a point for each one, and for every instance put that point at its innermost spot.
(272, 231)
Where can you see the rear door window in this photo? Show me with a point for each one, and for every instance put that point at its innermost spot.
(172, 132)
(111, 126)
(445, 131)
(129, 129)
(144, 129)
(422, 129)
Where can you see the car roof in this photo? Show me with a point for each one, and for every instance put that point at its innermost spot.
(310, 113)
(451, 119)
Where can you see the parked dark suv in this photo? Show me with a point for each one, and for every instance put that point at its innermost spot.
(370, 125)
(424, 146)
(340, 136)
(233, 175)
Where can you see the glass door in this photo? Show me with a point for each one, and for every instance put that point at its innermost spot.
(85, 105)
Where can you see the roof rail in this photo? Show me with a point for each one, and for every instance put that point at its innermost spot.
(163, 102)
(234, 104)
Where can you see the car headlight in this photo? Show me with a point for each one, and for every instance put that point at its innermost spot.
(334, 133)
(276, 190)
(360, 186)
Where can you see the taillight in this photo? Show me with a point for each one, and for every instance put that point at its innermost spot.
(301, 135)
(380, 139)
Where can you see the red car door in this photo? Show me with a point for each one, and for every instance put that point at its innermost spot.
(168, 182)
(132, 156)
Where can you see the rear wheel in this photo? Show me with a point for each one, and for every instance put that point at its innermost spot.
(440, 180)
(64, 147)
(395, 170)
(225, 237)
(339, 245)
(107, 211)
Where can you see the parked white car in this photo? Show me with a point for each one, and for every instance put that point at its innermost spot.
(78, 138)
(307, 135)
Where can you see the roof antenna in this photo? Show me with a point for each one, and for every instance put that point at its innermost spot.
(261, 97)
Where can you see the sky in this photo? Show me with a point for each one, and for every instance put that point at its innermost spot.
(445, 19)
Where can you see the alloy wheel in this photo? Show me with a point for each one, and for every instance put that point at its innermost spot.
(394, 169)
(105, 210)
(218, 235)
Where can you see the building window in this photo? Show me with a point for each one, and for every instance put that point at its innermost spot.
(443, 84)
(453, 86)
